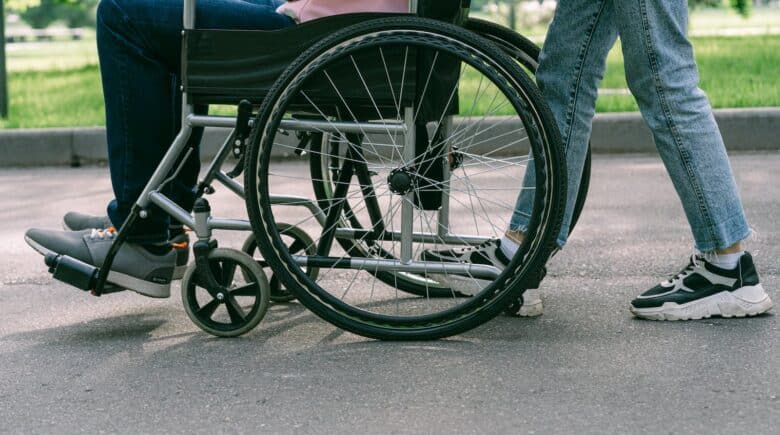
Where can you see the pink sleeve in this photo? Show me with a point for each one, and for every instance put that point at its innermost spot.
(307, 10)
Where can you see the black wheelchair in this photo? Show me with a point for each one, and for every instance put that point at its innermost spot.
(364, 140)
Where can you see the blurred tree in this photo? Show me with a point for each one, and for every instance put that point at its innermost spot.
(3, 79)
(705, 3)
(73, 13)
(40, 14)
(20, 5)
(742, 7)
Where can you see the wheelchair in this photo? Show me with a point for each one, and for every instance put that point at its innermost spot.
(365, 142)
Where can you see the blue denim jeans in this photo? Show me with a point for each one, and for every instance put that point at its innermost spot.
(139, 46)
(663, 77)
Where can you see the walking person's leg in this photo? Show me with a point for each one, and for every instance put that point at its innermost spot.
(662, 75)
(571, 66)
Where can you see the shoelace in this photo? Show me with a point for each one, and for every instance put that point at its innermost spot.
(108, 233)
(685, 272)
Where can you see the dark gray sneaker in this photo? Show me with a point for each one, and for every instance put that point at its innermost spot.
(181, 244)
(134, 267)
(75, 221)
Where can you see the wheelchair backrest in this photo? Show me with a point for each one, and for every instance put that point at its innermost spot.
(227, 66)
(453, 11)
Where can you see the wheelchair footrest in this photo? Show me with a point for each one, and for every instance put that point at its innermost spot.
(72, 271)
(75, 272)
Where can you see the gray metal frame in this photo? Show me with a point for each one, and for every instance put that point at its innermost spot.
(204, 223)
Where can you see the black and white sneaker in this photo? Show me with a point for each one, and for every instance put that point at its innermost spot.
(488, 253)
(702, 290)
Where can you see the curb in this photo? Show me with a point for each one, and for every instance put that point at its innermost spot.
(742, 129)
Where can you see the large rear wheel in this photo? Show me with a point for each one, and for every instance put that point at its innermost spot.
(437, 130)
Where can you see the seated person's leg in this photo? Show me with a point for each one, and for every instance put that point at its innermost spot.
(139, 46)
(140, 51)
(565, 62)
(141, 40)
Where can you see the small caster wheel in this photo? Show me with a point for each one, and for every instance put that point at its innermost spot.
(235, 308)
(298, 242)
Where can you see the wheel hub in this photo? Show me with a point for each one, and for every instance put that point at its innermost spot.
(401, 181)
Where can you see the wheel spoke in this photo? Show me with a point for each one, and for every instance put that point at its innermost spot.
(246, 290)
(208, 310)
(235, 311)
(228, 271)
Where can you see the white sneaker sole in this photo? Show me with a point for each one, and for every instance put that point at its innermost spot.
(532, 304)
(743, 302)
(118, 279)
(532, 300)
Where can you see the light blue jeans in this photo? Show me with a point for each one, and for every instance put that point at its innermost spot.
(662, 75)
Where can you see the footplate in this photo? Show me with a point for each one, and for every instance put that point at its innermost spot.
(76, 273)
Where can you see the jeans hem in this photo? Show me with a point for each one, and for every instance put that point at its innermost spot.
(523, 228)
(727, 234)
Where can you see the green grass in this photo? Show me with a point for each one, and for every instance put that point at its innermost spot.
(735, 72)
(59, 98)
(58, 85)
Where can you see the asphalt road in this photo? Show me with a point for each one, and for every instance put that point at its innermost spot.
(122, 363)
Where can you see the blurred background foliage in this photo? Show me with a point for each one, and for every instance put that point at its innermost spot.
(54, 78)
(40, 14)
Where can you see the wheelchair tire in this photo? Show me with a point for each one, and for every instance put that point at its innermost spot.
(526, 52)
(400, 318)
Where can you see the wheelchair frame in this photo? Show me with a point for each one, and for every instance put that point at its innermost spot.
(203, 223)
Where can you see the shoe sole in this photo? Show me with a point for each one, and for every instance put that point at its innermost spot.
(532, 301)
(118, 279)
(747, 301)
(532, 304)
(178, 272)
